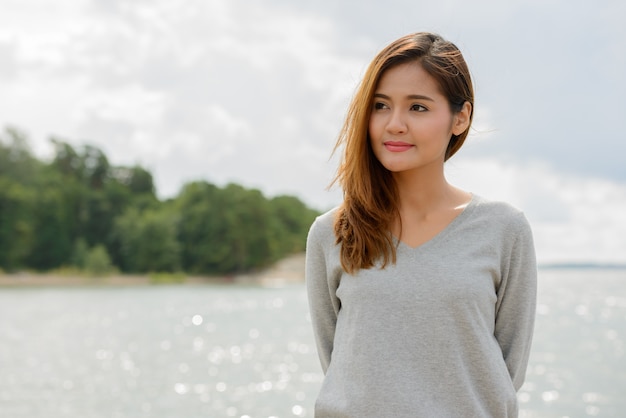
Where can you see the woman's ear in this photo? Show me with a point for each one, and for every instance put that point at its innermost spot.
(462, 119)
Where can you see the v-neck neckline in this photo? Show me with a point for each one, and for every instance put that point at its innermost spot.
(445, 231)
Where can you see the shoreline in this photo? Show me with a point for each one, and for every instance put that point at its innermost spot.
(286, 271)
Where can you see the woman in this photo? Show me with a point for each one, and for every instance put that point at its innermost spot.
(422, 295)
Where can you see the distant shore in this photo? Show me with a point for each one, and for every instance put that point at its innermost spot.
(288, 270)
(582, 266)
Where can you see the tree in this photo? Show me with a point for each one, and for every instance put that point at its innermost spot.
(16, 228)
(98, 262)
(147, 241)
(52, 240)
(236, 229)
(293, 219)
(66, 159)
(250, 237)
(16, 160)
(97, 193)
(137, 179)
(202, 227)
(95, 167)
(78, 206)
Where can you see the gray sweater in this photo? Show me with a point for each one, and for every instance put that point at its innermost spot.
(444, 332)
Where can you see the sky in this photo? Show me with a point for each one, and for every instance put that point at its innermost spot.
(255, 92)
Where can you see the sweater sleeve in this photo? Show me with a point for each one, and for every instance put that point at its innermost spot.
(323, 303)
(516, 301)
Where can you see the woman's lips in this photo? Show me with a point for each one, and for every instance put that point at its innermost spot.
(395, 146)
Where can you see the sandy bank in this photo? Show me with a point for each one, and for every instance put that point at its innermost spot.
(288, 270)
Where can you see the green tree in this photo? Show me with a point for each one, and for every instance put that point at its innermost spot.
(16, 229)
(147, 241)
(236, 229)
(16, 160)
(293, 220)
(79, 209)
(79, 254)
(95, 167)
(98, 262)
(52, 242)
(202, 227)
(66, 159)
(250, 236)
(137, 179)
(98, 193)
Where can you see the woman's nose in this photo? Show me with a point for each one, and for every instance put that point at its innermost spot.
(396, 123)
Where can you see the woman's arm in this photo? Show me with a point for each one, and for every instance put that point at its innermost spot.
(517, 295)
(323, 303)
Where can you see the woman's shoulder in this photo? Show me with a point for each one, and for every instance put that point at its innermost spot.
(498, 211)
(496, 206)
(324, 225)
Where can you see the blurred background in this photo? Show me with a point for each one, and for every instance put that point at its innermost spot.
(127, 123)
(254, 92)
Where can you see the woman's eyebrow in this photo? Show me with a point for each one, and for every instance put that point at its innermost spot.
(410, 96)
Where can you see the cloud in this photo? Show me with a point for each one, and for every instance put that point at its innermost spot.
(8, 65)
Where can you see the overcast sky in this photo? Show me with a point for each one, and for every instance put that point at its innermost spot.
(254, 92)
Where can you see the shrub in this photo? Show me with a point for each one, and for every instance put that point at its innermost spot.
(98, 262)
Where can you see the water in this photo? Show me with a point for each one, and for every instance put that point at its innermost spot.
(234, 351)
(578, 361)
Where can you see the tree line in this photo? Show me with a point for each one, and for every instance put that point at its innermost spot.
(78, 210)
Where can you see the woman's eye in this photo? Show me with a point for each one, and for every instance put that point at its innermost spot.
(379, 106)
(418, 108)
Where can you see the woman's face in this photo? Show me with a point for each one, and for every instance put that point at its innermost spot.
(411, 122)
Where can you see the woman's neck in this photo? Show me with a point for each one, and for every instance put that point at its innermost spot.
(425, 207)
(422, 195)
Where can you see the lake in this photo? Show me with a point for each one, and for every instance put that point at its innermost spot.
(247, 351)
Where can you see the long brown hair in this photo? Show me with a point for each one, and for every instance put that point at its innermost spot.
(362, 223)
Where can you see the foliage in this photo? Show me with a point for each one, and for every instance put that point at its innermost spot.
(147, 241)
(294, 219)
(80, 211)
(16, 228)
(79, 253)
(98, 263)
(167, 278)
(213, 228)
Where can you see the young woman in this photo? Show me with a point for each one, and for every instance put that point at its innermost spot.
(422, 295)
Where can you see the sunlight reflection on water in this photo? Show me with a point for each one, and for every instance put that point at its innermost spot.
(578, 365)
(156, 351)
(218, 351)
